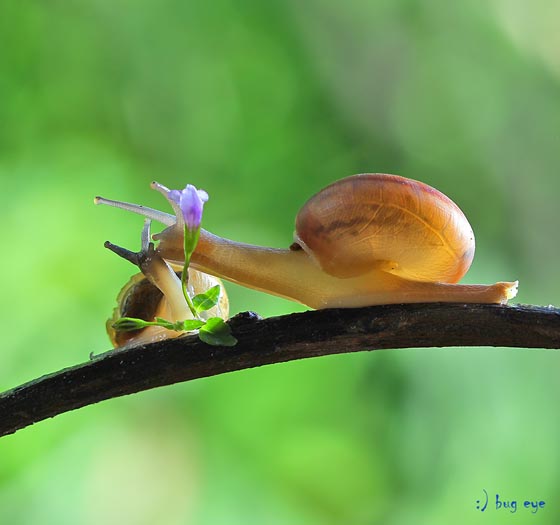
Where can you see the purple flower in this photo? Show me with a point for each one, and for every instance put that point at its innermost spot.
(190, 201)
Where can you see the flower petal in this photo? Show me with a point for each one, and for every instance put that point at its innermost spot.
(191, 202)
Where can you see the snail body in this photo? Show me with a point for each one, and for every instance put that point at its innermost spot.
(157, 292)
(364, 240)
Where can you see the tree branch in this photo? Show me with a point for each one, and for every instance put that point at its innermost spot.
(275, 340)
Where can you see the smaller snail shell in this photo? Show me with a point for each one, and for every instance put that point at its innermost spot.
(387, 222)
(139, 298)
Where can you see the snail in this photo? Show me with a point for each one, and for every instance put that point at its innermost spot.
(157, 292)
(363, 240)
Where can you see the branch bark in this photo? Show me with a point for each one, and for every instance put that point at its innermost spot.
(275, 340)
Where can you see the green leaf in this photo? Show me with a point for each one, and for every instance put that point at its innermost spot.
(208, 299)
(128, 324)
(217, 333)
(187, 325)
(191, 324)
(166, 324)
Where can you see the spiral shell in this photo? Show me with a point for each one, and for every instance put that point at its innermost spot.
(379, 221)
(139, 298)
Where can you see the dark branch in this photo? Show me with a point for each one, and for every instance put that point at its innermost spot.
(275, 340)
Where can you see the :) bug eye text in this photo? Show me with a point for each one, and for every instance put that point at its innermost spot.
(503, 504)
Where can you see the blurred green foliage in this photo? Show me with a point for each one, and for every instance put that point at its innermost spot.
(262, 104)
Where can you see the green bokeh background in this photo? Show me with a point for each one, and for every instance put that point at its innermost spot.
(262, 104)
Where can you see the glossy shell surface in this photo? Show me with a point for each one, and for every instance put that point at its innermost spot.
(378, 221)
(139, 298)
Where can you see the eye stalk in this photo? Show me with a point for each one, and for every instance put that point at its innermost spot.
(157, 271)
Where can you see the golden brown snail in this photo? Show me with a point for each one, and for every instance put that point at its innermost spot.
(364, 240)
(157, 292)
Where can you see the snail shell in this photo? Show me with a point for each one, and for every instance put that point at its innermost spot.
(141, 299)
(388, 222)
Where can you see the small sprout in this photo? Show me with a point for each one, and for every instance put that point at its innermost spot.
(191, 203)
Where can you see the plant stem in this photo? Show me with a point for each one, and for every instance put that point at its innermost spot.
(189, 245)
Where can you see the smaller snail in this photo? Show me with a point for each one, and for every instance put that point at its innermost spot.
(157, 292)
(364, 240)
